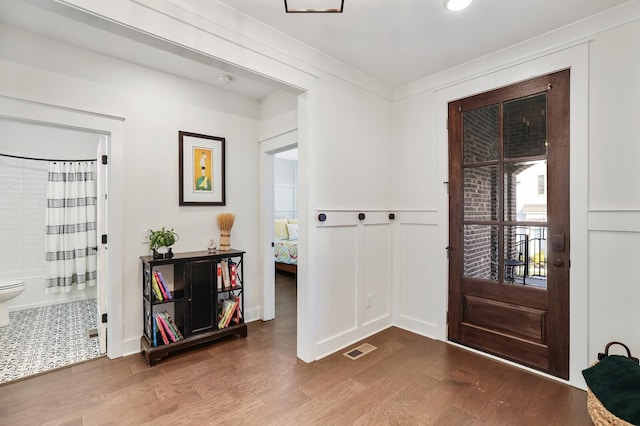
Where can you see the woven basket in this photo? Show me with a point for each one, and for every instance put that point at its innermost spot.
(599, 414)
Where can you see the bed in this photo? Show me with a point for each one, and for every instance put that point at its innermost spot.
(286, 253)
(286, 245)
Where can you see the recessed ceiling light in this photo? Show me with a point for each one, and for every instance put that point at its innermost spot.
(313, 6)
(456, 5)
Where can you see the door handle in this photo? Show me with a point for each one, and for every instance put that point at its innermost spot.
(558, 263)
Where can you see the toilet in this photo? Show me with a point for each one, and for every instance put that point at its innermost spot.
(8, 290)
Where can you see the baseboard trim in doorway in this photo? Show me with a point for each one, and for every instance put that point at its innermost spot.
(359, 351)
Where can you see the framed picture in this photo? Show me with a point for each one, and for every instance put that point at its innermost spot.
(201, 169)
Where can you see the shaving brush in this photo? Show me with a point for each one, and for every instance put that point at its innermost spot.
(225, 222)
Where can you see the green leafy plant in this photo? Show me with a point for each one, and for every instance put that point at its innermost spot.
(162, 238)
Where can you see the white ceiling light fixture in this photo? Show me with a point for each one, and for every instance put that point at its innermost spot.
(313, 6)
(456, 5)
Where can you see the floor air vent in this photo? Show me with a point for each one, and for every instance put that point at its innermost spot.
(360, 351)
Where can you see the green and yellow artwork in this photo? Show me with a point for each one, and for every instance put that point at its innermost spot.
(202, 164)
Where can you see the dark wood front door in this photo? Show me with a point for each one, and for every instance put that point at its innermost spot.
(509, 223)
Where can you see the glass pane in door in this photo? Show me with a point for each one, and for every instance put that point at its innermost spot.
(525, 191)
(525, 255)
(525, 126)
(481, 193)
(481, 252)
(481, 133)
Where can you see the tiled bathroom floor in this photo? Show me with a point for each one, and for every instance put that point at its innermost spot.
(40, 339)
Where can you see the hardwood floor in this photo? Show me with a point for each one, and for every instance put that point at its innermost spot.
(408, 380)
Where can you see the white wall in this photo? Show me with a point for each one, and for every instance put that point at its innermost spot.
(34, 140)
(278, 114)
(614, 195)
(354, 148)
(285, 188)
(604, 153)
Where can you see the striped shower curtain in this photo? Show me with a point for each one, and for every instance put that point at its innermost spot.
(71, 235)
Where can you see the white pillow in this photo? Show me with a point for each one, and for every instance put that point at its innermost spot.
(292, 228)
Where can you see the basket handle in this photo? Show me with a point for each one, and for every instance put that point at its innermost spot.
(606, 352)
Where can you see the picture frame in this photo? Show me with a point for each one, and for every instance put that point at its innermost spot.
(201, 165)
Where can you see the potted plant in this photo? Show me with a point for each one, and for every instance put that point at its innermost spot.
(160, 242)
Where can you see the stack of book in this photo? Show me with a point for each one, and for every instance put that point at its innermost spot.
(229, 312)
(160, 288)
(227, 274)
(164, 329)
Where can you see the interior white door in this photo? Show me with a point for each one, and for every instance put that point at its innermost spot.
(102, 183)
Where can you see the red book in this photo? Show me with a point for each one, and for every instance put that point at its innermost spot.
(219, 274)
(161, 328)
(167, 329)
(163, 283)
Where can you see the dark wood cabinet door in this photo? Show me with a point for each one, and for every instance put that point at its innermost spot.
(201, 296)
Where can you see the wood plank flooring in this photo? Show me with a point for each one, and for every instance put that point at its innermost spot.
(407, 380)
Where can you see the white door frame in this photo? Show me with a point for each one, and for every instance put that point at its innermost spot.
(102, 190)
(576, 58)
(268, 148)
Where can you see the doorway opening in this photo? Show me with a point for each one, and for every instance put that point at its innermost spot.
(285, 213)
(279, 211)
(46, 330)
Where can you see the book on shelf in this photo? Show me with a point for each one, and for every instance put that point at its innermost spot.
(174, 328)
(165, 339)
(236, 308)
(156, 289)
(167, 329)
(219, 276)
(222, 310)
(155, 335)
(163, 285)
(226, 311)
(226, 279)
(237, 317)
(156, 277)
(233, 273)
(231, 314)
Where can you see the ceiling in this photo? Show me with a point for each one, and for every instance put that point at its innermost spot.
(400, 41)
(395, 41)
(131, 46)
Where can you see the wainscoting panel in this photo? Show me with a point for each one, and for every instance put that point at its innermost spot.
(337, 281)
(354, 277)
(421, 260)
(613, 289)
(375, 272)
